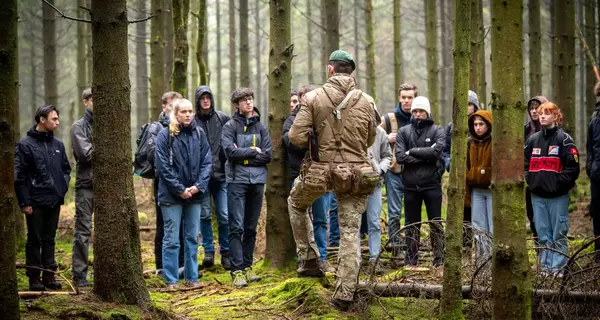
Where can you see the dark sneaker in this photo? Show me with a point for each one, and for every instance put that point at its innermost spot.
(251, 276)
(310, 268)
(239, 279)
(35, 284)
(192, 284)
(341, 305)
(326, 267)
(81, 283)
(209, 260)
(226, 260)
(50, 281)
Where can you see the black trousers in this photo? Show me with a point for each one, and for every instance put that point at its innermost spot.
(468, 231)
(412, 208)
(160, 233)
(41, 233)
(529, 208)
(244, 203)
(595, 213)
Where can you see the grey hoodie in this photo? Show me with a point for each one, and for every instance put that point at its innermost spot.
(380, 152)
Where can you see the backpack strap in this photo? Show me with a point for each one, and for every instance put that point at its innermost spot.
(393, 122)
(333, 119)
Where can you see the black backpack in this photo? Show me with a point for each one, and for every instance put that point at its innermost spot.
(143, 164)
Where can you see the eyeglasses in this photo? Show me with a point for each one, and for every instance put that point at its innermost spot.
(247, 99)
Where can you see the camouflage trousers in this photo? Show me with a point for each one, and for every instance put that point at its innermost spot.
(350, 209)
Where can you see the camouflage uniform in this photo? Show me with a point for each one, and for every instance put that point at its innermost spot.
(358, 133)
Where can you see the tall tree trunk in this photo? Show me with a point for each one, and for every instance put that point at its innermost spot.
(200, 43)
(117, 250)
(535, 49)
(433, 84)
(218, 95)
(169, 42)
(580, 67)
(482, 89)
(50, 79)
(551, 8)
(451, 302)
(244, 57)
(258, 48)
(195, 26)
(34, 78)
(476, 66)
(180, 56)
(309, 35)
(397, 46)
(564, 59)
(445, 99)
(9, 95)
(141, 72)
(90, 62)
(332, 8)
(590, 38)
(232, 44)
(324, 50)
(511, 282)
(157, 61)
(371, 71)
(281, 246)
(357, 41)
(81, 59)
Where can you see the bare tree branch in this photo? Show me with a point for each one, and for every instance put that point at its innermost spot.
(65, 16)
(309, 19)
(142, 20)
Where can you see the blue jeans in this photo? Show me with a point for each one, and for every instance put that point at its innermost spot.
(373, 211)
(334, 226)
(481, 219)
(218, 190)
(244, 202)
(394, 185)
(173, 215)
(319, 219)
(551, 217)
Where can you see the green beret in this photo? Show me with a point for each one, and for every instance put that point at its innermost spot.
(341, 55)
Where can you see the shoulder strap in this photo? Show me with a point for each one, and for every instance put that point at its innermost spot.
(337, 115)
(221, 117)
(393, 122)
(338, 111)
(386, 121)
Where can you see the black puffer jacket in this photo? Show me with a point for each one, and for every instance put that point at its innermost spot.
(423, 166)
(212, 124)
(81, 141)
(42, 170)
(293, 154)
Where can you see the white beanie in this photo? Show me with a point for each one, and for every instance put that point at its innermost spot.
(421, 103)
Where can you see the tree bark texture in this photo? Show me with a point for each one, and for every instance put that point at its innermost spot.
(263, 107)
(451, 302)
(218, 31)
(511, 282)
(141, 68)
(324, 48)
(482, 89)
(397, 47)
(81, 60)
(117, 252)
(169, 45)
(181, 48)
(194, 26)
(332, 8)
(232, 45)
(433, 83)
(157, 61)
(590, 79)
(564, 59)
(244, 57)
(89, 54)
(357, 41)
(445, 89)
(475, 65)
(309, 44)
(278, 229)
(371, 70)
(9, 94)
(535, 49)
(49, 36)
(202, 71)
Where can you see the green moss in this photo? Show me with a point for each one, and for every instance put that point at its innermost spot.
(402, 308)
(85, 307)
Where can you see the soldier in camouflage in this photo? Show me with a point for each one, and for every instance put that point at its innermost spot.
(343, 135)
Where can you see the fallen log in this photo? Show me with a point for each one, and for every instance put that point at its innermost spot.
(433, 291)
(39, 294)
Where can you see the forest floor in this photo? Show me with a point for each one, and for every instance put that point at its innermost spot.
(279, 295)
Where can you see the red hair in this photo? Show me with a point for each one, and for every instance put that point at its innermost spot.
(553, 109)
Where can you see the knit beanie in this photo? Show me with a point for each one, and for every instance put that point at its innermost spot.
(474, 100)
(421, 103)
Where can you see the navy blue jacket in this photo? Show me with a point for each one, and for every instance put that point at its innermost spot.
(42, 170)
(191, 164)
(293, 154)
(241, 136)
(592, 166)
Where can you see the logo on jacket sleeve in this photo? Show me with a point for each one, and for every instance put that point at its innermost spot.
(536, 151)
(553, 151)
(575, 154)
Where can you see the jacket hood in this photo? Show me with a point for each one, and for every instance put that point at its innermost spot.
(400, 113)
(540, 99)
(341, 81)
(42, 136)
(486, 116)
(199, 92)
(418, 123)
(164, 120)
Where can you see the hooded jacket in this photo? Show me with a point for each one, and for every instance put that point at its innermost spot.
(423, 165)
(532, 126)
(240, 138)
(592, 165)
(42, 170)
(380, 152)
(190, 165)
(356, 124)
(212, 124)
(293, 154)
(551, 163)
(479, 159)
(81, 142)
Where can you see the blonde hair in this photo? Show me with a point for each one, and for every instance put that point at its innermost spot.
(174, 127)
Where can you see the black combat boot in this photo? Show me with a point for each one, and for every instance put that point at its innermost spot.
(310, 268)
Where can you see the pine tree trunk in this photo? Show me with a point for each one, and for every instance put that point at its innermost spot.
(565, 67)
(482, 89)
(157, 62)
(590, 38)
(195, 26)
(117, 251)
(580, 67)
(397, 47)
(332, 8)
(34, 78)
(81, 59)
(90, 62)
(476, 42)
(49, 33)
(551, 8)
(9, 105)
(281, 246)
(141, 72)
(169, 45)
(200, 44)
(324, 49)
(218, 94)
(371, 71)
(244, 63)
(445, 95)
(451, 302)
(181, 48)
(309, 35)
(511, 282)
(357, 41)
(535, 49)
(433, 84)
(258, 48)
(232, 45)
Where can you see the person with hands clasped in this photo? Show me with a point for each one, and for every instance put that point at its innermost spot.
(183, 164)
